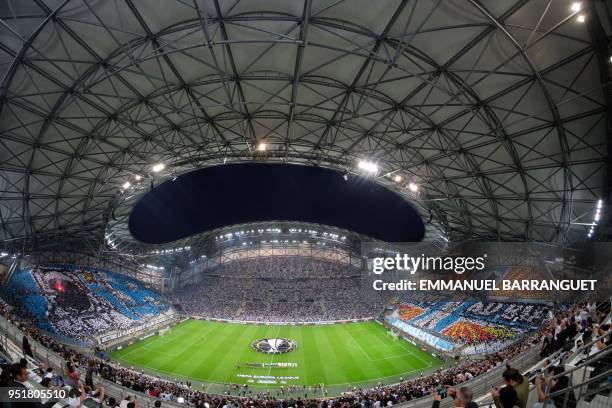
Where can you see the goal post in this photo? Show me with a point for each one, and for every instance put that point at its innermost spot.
(164, 331)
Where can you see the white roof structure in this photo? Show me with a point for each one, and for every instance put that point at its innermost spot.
(497, 110)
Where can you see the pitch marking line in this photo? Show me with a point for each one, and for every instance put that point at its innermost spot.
(391, 357)
(407, 352)
(352, 343)
(184, 348)
(164, 342)
(427, 363)
(159, 351)
(272, 358)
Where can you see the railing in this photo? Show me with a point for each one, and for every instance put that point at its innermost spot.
(13, 335)
(482, 384)
(77, 344)
(577, 374)
(599, 368)
(11, 352)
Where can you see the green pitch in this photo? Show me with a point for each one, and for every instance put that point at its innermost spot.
(338, 355)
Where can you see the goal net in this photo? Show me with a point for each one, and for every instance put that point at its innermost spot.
(164, 331)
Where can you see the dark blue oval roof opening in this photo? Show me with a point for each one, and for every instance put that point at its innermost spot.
(231, 194)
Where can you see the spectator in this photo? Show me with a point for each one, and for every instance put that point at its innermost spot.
(96, 395)
(514, 379)
(124, 403)
(540, 387)
(461, 397)
(561, 382)
(507, 398)
(76, 396)
(89, 373)
(25, 343)
(20, 377)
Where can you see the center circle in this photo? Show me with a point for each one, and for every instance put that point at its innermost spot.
(274, 345)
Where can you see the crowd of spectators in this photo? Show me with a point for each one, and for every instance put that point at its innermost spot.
(281, 289)
(467, 322)
(80, 303)
(580, 318)
(524, 314)
(242, 396)
(519, 273)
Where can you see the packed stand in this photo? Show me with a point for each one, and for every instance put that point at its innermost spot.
(519, 273)
(281, 289)
(470, 322)
(80, 302)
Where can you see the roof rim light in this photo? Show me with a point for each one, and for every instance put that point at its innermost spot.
(158, 167)
(368, 166)
(596, 218)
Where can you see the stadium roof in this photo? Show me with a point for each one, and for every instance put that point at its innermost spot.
(496, 109)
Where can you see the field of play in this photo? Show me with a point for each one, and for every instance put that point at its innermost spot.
(337, 355)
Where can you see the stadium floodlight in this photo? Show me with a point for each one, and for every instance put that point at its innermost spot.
(158, 167)
(368, 166)
(413, 187)
(261, 147)
(581, 18)
(126, 185)
(576, 6)
(397, 178)
(138, 177)
(599, 203)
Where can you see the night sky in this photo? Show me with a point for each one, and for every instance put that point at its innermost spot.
(232, 194)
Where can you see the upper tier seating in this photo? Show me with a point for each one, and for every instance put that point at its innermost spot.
(518, 273)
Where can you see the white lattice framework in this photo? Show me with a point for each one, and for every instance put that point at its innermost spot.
(497, 109)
